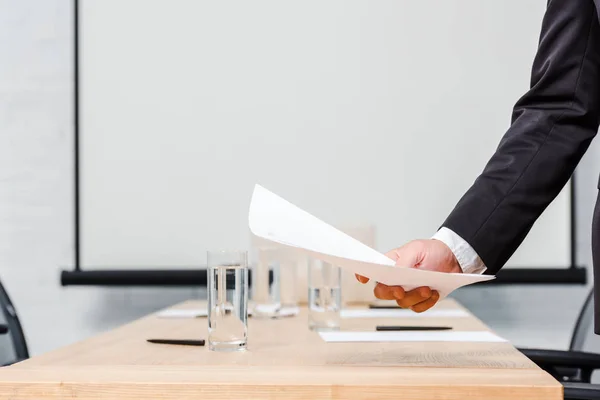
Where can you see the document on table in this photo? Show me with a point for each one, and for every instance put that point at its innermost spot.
(274, 221)
(401, 313)
(411, 336)
(189, 313)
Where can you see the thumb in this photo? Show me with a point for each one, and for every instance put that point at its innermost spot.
(410, 255)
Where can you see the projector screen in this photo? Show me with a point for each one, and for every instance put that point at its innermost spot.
(363, 113)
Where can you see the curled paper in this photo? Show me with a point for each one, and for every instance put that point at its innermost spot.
(274, 221)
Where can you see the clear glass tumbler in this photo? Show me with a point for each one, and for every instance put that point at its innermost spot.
(287, 284)
(265, 295)
(324, 296)
(227, 300)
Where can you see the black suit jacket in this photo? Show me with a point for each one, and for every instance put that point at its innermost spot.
(552, 127)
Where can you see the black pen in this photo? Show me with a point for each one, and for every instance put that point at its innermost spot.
(411, 328)
(384, 307)
(178, 341)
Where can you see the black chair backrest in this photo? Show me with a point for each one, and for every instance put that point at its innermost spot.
(14, 325)
(583, 323)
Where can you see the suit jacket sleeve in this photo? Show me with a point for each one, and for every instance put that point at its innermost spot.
(552, 127)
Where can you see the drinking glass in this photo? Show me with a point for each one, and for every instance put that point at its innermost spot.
(288, 277)
(324, 296)
(227, 300)
(265, 295)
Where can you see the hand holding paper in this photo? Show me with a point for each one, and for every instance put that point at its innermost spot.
(276, 222)
(430, 255)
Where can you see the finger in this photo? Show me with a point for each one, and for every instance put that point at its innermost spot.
(414, 297)
(427, 304)
(410, 255)
(399, 292)
(384, 292)
(361, 279)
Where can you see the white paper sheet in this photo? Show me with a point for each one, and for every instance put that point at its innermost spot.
(276, 222)
(191, 313)
(401, 313)
(288, 312)
(411, 336)
(277, 313)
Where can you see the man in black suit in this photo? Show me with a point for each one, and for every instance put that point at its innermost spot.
(552, 127)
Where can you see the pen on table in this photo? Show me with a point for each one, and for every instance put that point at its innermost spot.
(384, 307)
(186, 342)
(411, 328)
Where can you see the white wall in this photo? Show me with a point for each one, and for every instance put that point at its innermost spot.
(36, 206)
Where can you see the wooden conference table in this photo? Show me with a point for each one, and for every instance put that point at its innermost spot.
(284, 361)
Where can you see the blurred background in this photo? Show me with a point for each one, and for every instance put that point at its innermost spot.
(372, 113)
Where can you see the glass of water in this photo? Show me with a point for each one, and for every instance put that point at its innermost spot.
(288, 278)
(266, 295)
(324, 296)
(227, 300)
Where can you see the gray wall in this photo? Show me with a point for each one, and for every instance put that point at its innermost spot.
(36, 237)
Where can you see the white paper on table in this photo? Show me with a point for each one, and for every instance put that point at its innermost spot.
(411, 336)
(191, 313)
(275, 221)
(401, 313)
(288, 312)
(276, 311)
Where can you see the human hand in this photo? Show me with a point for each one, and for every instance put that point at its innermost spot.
(431, 255)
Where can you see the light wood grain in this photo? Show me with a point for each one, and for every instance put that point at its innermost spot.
(276, 382)
(284, 360)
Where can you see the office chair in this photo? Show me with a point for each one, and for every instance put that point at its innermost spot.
(14, 328)
(573, 367)
(581, 391)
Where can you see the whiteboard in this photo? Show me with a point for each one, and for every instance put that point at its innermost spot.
(360, 112)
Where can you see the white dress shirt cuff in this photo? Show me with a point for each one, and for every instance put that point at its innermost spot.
(467, 257)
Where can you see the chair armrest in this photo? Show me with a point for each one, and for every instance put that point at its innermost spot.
(560, 358)
(581, 391)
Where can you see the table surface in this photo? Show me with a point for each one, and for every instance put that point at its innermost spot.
(284, 360)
